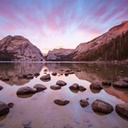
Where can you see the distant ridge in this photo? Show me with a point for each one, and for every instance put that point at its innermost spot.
(112, 45)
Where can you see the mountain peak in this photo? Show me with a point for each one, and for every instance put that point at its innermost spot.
(121, 27)
(18, 48)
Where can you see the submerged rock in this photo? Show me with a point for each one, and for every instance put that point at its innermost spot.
(55, 87)
(1, 87)
(46, 77)
(122, 109)
(61, 83)
(25, 90)
(84, 103)
(61, 102)
(40, 87)
(96, 85)
(4, 109)
(10, 105)
(102, 106)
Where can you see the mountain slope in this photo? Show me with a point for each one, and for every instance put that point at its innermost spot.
(112, 45)
(18, 48)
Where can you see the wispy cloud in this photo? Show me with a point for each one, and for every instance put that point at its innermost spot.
(54, 23)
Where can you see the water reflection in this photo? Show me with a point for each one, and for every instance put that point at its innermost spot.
(40, 109)
(19, 73)
(95, 72)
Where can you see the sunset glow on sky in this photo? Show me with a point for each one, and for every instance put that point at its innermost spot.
(52, 24)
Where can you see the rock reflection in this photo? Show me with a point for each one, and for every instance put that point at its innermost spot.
(95, 72)
(18, 73)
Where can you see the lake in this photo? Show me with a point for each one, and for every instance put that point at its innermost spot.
(40, 111)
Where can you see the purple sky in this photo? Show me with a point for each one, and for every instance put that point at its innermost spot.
(52, 24)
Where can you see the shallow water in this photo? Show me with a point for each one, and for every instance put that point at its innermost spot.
(40, 111)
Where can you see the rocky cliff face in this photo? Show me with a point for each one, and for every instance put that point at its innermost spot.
(58, 54)
(112, 45)
(18, 48)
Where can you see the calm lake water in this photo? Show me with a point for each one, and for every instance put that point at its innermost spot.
(40, 111)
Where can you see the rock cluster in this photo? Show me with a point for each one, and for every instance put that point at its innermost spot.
(76, 87)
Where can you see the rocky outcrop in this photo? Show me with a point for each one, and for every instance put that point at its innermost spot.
(102, 106)
(18, 48)
(58, 54)
(115, 41)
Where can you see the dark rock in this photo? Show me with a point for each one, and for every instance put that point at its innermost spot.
(75, 86)
(81, 88)
(46, 77)
(54, 73)
(10, 105)
(120, 84)
(25, 90)
(36, 74)
(122, 109)
(102, 106)
(68, 70)
(4, 109)
(95, 85)
(106, 83)
(66, 74)
(61, 83)
(55, 87)
(1, 87)
(84, 103)
(25, 75)
(61, 102)
(39, 87)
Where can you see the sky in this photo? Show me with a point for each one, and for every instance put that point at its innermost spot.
(52, 24)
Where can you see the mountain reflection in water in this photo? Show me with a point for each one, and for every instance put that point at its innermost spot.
(41, 106)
